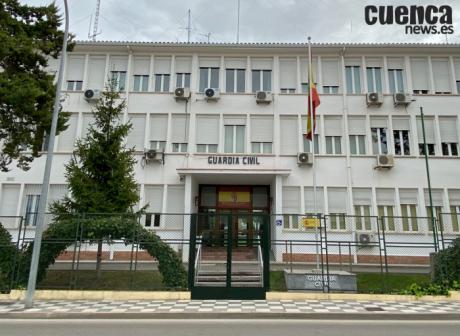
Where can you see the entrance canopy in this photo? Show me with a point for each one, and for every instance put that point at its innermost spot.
(233, 176)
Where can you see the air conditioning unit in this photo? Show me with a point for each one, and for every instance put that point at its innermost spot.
(304, 159)
(211, 94)
(364, 238)
(385, 161)
(374, 98)
(153, 155)
(264, 97)
(92, 95)
(402, 99)
(181, 93)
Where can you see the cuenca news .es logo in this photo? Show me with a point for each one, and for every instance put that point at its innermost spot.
(416, 19)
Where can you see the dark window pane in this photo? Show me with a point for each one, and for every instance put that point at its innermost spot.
(240, 80)
(229, 80)
(255, 80)
(187, 80)
(215, 78)
(203, 79)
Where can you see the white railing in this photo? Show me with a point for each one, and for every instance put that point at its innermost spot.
(260, 260)
(198, 256)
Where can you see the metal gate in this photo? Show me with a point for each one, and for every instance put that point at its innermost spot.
(229, 255)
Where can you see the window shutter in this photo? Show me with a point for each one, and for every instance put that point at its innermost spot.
(429, 130)
(235, 63)
(175, 199)
(141, 65)
(118, 63)
(332, 126)
(454, 197)
(162, 65)
(262, 128)
(9, 200)
(179, 128)
(209, 62)
(288, 73)
(158, 127)
(67, 138)
(75, 68)
(353, 62)
(304, 124)
(235, 120)
(374, 62)
(419, 67)
(88, 120)
(362, 196)
(183, 64)
(289, 135)
(386, 197)
(262, 63)
(441, 74)
(357, 125)
(304, 70)
(448, 128)
(137, 133)
(337, 199)
(29, 189)
(401, 124)
(309, 201)
(379, 122)
(436, 196)
(408, 196)
(457, 68)
(207, 129)
(330, 72)
(56, 193)
(291, 200)
(154, 198)
(395, 63)
(96, 72)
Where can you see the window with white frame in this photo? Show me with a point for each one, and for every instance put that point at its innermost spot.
(401, 141)
(330, 75)
(353, 78)
(458, 86)
(207, 133)
(363, 217)
(420, 76)
(307, 144)
(333, 145)
(437, 200)
(379, 140)
(291, 207)
(31, 213)
(409, 217)
(158, 145)
(385, 208)
(288, 75)
(455, 217)
(209, 78)
(337, 208)
(162, 82)
(235, 80)
(141, 83)
(374, 79)
(206, 148)
(357, 144)
(437, 215)
(395, 80)
(261, 147)
(74, 85)
(234, 138)
(179, 147)
(183, 80)
(261, 80)
(119, 80)
(289, 135)
(261, 134)
(158, 130)
(287, 90)
(333, 134)
(331, 89)
(430, 138)
(357, 131)
(449, 135)
(153, 197)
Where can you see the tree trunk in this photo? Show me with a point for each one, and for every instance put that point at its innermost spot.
(99, 259)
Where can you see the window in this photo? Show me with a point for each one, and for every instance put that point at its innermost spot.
(235, 80)
(337, 221)
(305, 87)
(73, 85)
(387, 220)
(353, 78)
(402, 144)
(431, 150)
(333, 145)
(449, 149)
(357, 144)
(363, 219)
(261, 147)
(119, 79)
(409, 217)
(234, 138)
(307, 144)
(141, 83)
(458, 86)
(331, 89)
(261, 80)
(162, 83)
(179, 147)
(287, 90)
(291, 222)
(158, 145)
(183, 80)
(420, 91)
(209, 78)
(206, 148)
(379, 140)
(156, 219)
(395, 78)
(437, 215)
(455, 217)
(374, 79)
(32, 202)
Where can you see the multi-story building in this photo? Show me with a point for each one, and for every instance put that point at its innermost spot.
(238, 151)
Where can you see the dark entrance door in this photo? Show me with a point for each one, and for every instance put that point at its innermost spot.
(229, 255)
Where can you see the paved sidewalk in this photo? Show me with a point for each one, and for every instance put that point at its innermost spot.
(190, 307)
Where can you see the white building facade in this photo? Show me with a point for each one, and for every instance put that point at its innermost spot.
(233, 154)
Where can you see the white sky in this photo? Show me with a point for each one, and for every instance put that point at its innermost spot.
(260, 20)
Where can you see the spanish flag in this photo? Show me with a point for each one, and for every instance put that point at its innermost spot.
(313, 103)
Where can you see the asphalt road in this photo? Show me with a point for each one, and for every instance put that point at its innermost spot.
(226, 327)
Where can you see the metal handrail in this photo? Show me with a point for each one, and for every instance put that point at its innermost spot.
(198, 256)
(260, 259)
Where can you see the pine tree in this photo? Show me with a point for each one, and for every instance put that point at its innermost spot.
(29, 36)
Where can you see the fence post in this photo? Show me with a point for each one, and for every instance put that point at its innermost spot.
(192, 251)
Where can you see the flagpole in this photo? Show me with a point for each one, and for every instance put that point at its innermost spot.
(312, 125)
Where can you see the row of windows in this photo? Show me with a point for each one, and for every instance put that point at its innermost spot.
(437, 79)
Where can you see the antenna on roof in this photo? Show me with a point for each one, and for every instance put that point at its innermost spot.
(189, 25)
(208, 36)
(96, 22)
(238, 24)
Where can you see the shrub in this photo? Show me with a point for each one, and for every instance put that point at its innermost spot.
(8, 254)
(447, 265)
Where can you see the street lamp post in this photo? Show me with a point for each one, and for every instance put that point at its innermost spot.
(29, 299)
